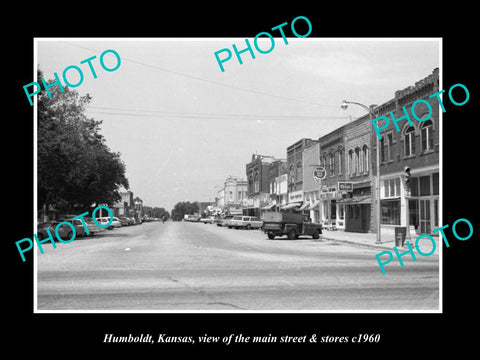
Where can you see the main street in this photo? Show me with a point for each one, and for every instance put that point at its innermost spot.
(195, 266)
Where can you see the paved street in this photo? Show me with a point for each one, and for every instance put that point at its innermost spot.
(195, 266)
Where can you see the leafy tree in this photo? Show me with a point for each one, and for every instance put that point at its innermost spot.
(182, 208)
(75, 168)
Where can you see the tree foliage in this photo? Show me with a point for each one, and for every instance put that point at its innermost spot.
(182, 208)
(156, 212)
(76, 169)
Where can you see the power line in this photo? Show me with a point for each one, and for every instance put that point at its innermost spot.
(167, 114)
(209, 81)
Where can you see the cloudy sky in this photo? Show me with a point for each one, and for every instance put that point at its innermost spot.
(182, 126)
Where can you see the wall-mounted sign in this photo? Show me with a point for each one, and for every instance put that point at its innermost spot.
(319, 173)
(345, 186)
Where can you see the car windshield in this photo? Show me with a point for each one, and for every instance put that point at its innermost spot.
(237, 218)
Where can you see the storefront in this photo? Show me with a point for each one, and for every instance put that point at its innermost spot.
(423, 202)
(332, 212)
(312, 202)
(358, 208)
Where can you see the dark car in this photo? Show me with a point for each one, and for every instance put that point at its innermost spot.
(65, 232)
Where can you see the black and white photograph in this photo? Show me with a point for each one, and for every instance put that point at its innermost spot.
(239, 187)
(220, 180)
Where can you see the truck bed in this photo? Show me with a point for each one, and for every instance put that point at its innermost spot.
(279, 217)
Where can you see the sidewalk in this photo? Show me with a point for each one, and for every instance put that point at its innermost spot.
(367, 240)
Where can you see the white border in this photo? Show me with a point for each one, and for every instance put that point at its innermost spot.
(35, 129)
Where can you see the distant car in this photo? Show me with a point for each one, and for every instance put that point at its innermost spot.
(217, 220)
(227, 221)
(246, 222)
(207, 220)
(65, 232)
(124, 221)
(131, 221)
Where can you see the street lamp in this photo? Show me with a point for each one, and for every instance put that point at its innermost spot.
(370, 110)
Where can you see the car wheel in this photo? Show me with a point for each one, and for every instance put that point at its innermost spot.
(229, 227)
(292, 234)
(316, 234)
(271, 236)
(248, 227)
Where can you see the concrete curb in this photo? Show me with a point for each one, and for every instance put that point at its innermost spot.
(370, 246)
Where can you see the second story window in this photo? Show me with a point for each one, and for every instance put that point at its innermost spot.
(409, 135)
(427, 135)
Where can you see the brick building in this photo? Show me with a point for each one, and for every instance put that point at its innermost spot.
(295, 172)
(258, 187)
(332, 158)
(359, 212)
(416, 146)
(311, 189)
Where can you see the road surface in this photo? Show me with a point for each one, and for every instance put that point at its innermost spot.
(196, 266)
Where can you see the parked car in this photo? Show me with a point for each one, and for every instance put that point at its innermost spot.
(92, 227)
(65, 232)
(246, 222)
(77, 223)
(105, 220)
(131, 221)
(207, 220)
(124, 221)
(227, 221)
(218, 220)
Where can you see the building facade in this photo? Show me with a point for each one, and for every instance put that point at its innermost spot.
(295, 174)
(417, 147)
(276, 168)
(258, 187)
(332, 158)
(357, 205)
(311, 189)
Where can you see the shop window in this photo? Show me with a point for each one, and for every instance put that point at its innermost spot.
(435, 184)
(390, 213)
(414, 186)
(397, 186)
(425, 186)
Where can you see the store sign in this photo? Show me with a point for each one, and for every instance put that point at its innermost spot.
(319, 173)
(295, 196)
(345, 186)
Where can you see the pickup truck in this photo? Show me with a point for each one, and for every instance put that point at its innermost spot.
(291, 224)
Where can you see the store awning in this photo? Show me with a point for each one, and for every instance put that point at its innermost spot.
(356, 200)
(304, 206)
(268, 207)
(314, 205)
(290, 206)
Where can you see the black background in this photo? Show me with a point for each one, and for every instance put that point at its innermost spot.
(59, 335)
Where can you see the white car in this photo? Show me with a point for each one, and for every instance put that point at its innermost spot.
(246, 222)
(105, 220)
